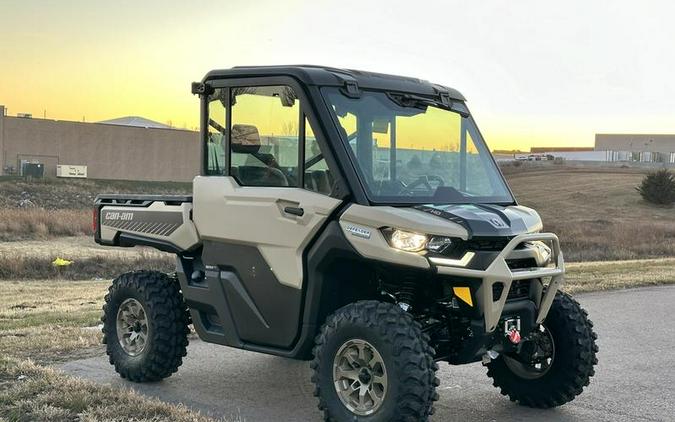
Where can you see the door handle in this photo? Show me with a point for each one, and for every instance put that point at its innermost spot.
(294, 211)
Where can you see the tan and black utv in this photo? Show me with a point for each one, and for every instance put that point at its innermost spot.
(357, 220)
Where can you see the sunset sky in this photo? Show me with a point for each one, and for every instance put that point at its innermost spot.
(535, 73)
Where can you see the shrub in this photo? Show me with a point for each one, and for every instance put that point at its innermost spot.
(658, 187)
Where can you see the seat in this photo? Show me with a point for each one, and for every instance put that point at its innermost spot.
(245, 139)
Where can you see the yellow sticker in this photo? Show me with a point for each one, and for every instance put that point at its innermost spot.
(463, 293)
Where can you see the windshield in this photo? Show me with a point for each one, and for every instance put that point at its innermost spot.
(415, 152)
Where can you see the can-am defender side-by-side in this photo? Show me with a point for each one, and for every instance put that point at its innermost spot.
(358, 220)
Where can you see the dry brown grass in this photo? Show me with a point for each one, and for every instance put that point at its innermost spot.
(19, 266)
(611, 275)
(51, 321)
(73, 248)
(48, 320)
(38, 223)
(77, 194)
(29, 392)
(596, 212)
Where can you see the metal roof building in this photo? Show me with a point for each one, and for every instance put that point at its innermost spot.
(136, 121)
(659, 148)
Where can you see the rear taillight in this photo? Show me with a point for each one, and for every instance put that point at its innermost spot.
(95, 220)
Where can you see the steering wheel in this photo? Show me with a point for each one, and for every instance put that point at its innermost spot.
(423, 180)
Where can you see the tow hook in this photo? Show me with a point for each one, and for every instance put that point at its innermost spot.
(512, 330)
(514, 336)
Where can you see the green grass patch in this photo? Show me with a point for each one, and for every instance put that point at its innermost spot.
(85, 318)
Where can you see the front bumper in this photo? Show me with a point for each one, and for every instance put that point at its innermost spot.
(498, 271)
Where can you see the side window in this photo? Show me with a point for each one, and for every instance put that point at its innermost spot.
(264, 141)
(317, 176)
(217, 127)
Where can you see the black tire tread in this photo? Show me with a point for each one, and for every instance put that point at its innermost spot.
(168, 316)
(411, 347)
(564, 385)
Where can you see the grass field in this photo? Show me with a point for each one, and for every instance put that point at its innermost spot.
(38, 223)
(75, 194)
(611, 275)
(15, 265)
(43, 322)
(31, 392)
(596, 212)
(47, 321)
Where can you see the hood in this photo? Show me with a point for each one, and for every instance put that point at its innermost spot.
(486, 220)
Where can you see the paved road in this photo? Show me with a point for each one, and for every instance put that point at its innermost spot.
(635, 378)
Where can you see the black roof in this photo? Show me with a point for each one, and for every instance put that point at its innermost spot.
(329, 76)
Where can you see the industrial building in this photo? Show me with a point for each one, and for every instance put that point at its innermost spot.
(134, 148)
(648, 150)
(130, 148)
(637, 147)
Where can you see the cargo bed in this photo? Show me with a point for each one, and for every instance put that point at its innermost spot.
(160, 221)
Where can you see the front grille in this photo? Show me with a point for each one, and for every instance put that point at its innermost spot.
(477, 244)
(520, 289)
(519, 264)
(495, 244)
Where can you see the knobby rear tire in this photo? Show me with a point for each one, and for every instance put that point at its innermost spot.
(168, 319)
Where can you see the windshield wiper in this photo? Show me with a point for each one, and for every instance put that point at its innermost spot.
(411, 100)
(417, 101)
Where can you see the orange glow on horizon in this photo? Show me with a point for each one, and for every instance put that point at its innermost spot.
(547, 76)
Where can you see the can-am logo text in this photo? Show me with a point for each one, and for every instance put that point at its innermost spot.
(118, 216)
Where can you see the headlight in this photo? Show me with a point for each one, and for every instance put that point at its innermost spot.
(439, 243)
(407, 241)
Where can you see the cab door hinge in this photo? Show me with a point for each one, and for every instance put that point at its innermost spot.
(352, 89)
(445, 99)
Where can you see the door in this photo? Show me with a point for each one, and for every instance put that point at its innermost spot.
(256, 213)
